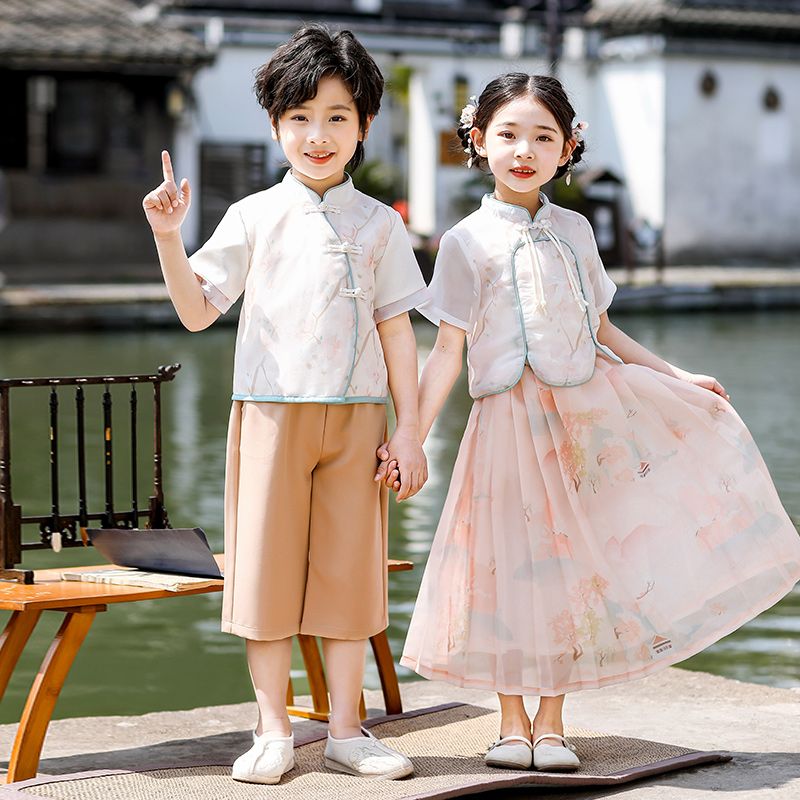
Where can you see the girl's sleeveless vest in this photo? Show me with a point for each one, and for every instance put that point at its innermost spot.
(538, 290)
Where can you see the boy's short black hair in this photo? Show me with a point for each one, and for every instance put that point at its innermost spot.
(293, 74)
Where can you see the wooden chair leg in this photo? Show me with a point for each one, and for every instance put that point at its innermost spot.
(387, 673)
(13, 641)
(289, 694)
(45, 690)
(317, 683)
(362, 707)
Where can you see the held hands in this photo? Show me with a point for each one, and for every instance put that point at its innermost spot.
(403, 466)
(166, 206)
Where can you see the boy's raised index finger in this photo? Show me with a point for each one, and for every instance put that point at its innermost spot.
(166, 166)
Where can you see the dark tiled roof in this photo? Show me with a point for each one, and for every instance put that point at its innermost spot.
(87, 33)
(391, 11)
(743, 19)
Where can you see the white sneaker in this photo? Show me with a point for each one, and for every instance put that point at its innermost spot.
(510, 752)
(554, 758)
(266, 761)
(367, 757)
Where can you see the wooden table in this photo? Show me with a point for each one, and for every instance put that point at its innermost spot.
(80, 602)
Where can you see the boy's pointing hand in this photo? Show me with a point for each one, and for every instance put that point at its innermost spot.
(166, 206)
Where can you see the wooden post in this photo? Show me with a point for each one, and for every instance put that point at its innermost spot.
(108, 459)
(80, 411)
(157, 500)
(134, 461)
(10, 534)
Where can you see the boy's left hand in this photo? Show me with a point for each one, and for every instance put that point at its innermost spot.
(707, 382)
(407, 459)
(387, 469)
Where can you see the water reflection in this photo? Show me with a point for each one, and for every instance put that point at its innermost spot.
(169, 655)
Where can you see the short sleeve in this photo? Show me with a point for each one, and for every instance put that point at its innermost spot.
(399, 285)
(453, 293)
(223, 261)
(603, 287)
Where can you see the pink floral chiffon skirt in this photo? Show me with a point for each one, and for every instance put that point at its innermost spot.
(597, 533)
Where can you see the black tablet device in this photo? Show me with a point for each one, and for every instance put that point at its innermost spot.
(180, 551)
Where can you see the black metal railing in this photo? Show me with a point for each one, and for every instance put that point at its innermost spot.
(57, 529)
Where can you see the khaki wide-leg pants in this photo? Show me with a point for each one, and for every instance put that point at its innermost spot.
(305, 523)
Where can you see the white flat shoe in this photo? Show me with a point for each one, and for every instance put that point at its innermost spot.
(366, 757)
(266, 761)
(510, 752)
(554, 758)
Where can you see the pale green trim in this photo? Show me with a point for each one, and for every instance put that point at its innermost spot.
(526, 352)
(601, 347)
(520, 315)
(331, 401)
(543, 198)
(350, 285)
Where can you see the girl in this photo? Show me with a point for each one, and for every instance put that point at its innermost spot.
(609, 513)
(328, 277)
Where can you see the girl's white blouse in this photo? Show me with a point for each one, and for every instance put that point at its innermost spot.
(317, 275)
(525, 291)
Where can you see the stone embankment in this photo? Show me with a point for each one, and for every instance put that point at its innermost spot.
(43, 307)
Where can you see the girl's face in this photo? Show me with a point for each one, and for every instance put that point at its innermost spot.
(320, 136)
(524, 146)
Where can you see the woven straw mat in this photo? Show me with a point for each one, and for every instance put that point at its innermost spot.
(446, 746)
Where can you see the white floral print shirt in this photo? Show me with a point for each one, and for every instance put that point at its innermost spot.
(317, 275)
(525, 291)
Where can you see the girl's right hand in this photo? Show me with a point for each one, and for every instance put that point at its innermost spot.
(166, 206)
(706, 382)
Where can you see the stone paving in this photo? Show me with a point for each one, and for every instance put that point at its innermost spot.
(759, 725)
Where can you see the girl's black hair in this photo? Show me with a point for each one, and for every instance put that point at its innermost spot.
(292, 75)
(548, 91)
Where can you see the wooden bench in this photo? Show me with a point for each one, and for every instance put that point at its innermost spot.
(79, 602)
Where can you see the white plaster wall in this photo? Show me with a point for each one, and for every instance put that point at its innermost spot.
(625, 99)
(434, 188)
(422, 172)
(733, 168)
(186, 164)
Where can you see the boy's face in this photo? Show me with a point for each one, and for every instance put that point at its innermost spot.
(320, 136)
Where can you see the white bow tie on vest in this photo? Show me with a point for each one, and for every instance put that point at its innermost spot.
(545, 227)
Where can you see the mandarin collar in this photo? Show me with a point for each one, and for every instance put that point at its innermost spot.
(516, 214)
(340, 195)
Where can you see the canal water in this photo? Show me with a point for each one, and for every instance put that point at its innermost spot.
(165, 655)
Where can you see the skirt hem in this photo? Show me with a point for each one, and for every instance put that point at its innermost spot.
(432, 673)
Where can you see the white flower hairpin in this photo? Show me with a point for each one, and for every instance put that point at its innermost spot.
(577, 134)
(467, 119)
(469, 111)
